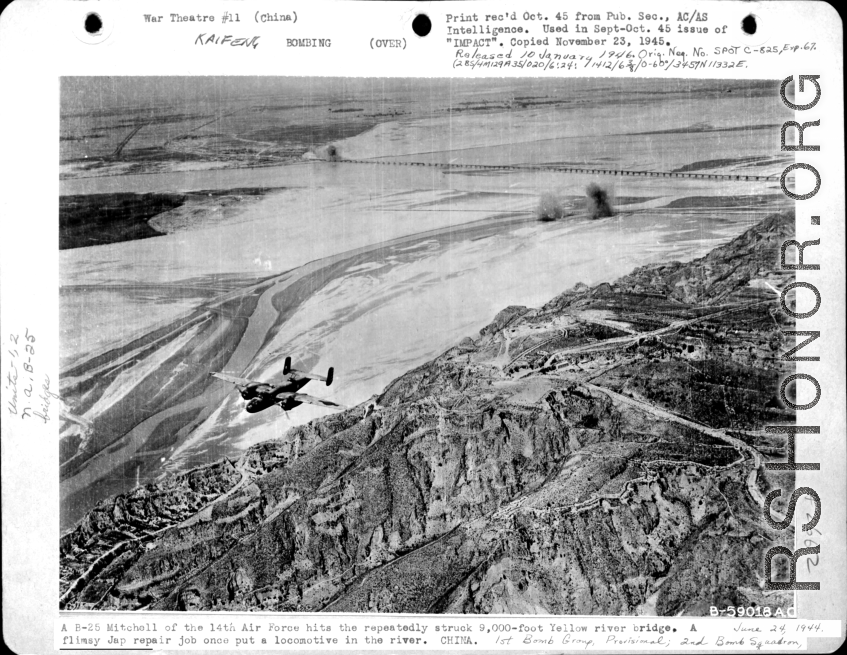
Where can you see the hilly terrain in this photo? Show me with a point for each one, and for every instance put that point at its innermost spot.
(601, 454)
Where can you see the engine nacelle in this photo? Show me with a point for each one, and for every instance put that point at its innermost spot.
(248, 392)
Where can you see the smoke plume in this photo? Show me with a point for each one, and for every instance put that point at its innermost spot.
(550, 207)
(598, 201)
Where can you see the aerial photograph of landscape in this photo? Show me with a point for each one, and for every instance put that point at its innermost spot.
(464, 346)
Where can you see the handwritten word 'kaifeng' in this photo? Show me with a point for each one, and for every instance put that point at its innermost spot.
(228, 39)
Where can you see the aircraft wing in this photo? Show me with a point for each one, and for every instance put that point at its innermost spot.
(304, 398)
(233, 379)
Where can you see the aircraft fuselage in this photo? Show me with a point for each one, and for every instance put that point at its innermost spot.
(262, 396)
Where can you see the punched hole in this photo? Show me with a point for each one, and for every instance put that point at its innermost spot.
(421, 25)
(93, 24)
(749, 24)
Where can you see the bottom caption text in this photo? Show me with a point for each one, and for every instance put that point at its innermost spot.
(251, 632)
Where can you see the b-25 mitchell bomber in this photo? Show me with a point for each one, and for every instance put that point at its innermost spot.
(261, 395)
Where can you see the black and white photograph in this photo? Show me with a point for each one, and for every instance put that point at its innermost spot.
(424, 345)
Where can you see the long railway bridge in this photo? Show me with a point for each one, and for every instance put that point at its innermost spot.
(568, 169)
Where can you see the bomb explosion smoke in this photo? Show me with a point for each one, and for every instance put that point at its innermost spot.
(598, 201)
(550, 207)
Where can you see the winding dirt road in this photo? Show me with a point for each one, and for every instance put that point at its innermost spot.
(738, 444)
